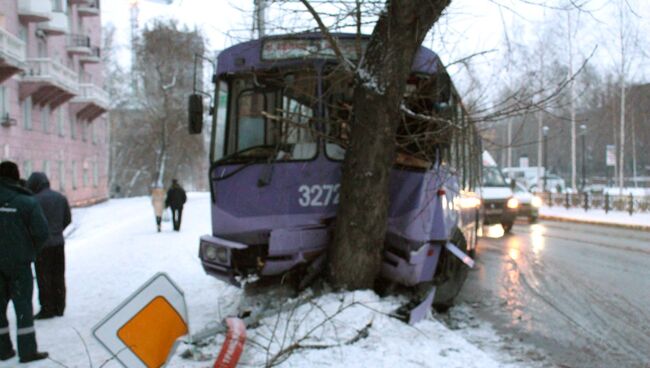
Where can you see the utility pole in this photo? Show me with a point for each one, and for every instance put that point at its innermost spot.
(621, 156)
(260, 18)
(583, 137)
(632, 123)
(573, 110)
(509, 149)
(135, 12)
(545, 133)
(540, 124)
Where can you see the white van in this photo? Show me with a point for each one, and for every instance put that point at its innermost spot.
(498, 204)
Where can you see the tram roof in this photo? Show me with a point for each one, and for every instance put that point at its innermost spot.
(268, 52)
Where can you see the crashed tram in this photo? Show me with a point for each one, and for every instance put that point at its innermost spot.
(280, 125)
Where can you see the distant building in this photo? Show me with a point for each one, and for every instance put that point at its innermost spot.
(52, 104)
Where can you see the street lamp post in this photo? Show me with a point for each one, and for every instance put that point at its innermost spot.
(583, 134)
(545, 132)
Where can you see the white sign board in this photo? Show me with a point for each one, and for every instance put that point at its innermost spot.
(523, 161)
(142, 331)
(610, 155)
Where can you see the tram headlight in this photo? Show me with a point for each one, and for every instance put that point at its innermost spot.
(536, 202)
(216, 254)
(513, 203)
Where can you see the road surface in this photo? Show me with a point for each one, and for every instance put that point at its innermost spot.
(581, 293)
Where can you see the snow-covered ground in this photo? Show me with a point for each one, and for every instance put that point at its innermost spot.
(597, 216)
(114, 248)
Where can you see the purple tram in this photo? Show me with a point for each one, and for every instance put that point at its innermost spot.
(281, 115)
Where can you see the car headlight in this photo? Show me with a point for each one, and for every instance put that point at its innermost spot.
(512, 203)
(536, 202)
(470, 202)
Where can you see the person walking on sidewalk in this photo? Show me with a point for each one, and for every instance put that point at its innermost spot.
(176, 199)
(50, 262)
(158, 203)
(23, 232)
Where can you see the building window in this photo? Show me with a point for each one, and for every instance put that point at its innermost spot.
(61, 176)
(27, 168)
(4, 102)
(93, 132)
(74, 174)
(46, 168)
(85, 175)
(84, 133)
(45, 119)
(60, 119)
(95, 174)
(73, 127)
(27, 113)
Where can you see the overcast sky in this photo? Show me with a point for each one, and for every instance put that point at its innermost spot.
(470, 26)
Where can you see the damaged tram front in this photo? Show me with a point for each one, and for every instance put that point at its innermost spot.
(281, 121)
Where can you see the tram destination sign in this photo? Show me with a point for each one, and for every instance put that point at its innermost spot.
(301, 48)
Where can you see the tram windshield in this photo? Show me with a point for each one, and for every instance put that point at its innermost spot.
(272, 117)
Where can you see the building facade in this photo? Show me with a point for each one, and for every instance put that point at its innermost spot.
(52, 104)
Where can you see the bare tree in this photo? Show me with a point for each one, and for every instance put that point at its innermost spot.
(150, 140)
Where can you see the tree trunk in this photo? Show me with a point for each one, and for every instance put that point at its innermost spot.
(355, 256)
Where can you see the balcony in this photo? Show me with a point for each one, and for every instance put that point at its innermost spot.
(30, 11)
(57, 25)
(94, 57)
(88, 8)
(78, 44)
(48, 83)
(91, 102)
(12, 55)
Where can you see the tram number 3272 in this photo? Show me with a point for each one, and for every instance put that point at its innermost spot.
(319, 195)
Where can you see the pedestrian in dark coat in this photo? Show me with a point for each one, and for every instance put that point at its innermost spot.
(50, 262)
(23, 232)
(176, 198)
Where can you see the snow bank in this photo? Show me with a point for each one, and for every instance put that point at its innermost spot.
(353, 329)
(597, 216)
(113, 248)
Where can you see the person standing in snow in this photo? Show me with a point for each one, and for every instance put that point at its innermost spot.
(23, 232)
(158, 203)
(50, 262)
(176, 199)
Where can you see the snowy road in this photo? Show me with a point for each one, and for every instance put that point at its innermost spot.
(579, 292)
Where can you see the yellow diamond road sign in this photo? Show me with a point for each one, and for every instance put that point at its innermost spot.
(143, 330)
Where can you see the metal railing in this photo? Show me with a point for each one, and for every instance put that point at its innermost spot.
(78, 40)
(602, 201)
(92, 4)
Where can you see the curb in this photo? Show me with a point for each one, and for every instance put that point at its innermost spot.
(592, 222)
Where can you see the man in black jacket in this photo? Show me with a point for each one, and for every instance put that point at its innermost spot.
(50, 262)
(23, 231)
(176, 199)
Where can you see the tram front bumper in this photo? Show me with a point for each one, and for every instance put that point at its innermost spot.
(216, 257)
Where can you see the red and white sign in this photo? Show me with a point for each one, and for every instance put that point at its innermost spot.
(233, 346)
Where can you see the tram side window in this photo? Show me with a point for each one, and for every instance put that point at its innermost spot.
(251, 125)
(222, 107)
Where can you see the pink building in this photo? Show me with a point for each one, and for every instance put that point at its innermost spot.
(52, 103)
